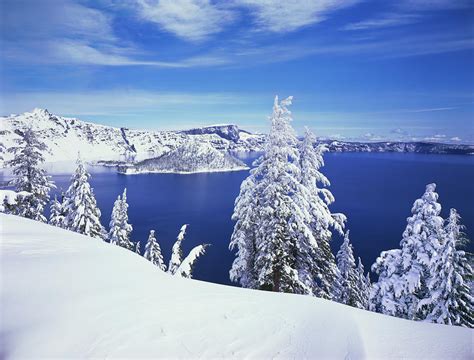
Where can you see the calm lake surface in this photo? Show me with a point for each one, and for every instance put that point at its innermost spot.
(375, 191)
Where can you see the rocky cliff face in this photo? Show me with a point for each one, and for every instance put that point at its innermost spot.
(228, 132)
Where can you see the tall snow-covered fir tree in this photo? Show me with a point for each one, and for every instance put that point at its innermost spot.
(421, 239)
(81, 213)
(320, 259)
(153, 251)
(56, 213)
(450, 298)
(120, 229)
(272, 215)
(385, 293)
(349, 277)
(407, 276)
(29, 177)
(244, 236)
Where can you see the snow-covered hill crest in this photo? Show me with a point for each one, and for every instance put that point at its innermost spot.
(69, 296)
(65, 137)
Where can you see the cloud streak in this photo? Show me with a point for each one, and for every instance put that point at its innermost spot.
(406, 12)
(193, 20)
(387, 20)
(288, 16)
(117, 101)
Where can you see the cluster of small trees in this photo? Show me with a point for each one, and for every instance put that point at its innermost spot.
(429, 277)
(284, 226)
(78, 210)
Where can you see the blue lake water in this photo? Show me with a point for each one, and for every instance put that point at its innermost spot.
(375, 191)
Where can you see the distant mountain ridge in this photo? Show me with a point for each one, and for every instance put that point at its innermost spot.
(399, 146)
(66, 137)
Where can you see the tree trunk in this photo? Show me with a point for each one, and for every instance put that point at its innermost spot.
(276, 280)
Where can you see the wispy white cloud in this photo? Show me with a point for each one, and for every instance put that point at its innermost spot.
(429, 109)
(37, 20)
(405, 12)
(117, 101)
(429, 5)
(197, 20)
(193, 20)
(373, 48)
(286, 16)
(112, 55)
(386, 20)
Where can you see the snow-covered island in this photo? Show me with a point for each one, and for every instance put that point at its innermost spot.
(67, 295)
(191, 157)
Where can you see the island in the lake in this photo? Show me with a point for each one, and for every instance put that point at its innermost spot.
(188, 158)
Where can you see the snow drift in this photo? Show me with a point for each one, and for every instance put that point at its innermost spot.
(68, 295)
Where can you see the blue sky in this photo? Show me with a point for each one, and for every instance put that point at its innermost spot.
(357, 69)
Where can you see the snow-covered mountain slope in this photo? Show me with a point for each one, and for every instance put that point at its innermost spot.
(191, 157)
(69, 296)
(65, 137)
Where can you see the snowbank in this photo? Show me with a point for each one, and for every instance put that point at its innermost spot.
(67, 295)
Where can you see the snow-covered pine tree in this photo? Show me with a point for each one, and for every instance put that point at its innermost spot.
(279, 215)
(421, 239)
(186, 267)
(153, 251)
(29, 177)
(348, 275)
(320, 259)
(363, 286)
(56, 214)
(137, 248)
(120, 229)
(81, 213)
(451, 300)
(385, 293)
(177, 252)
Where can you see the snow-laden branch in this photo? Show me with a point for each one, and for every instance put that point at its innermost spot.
(186, 267)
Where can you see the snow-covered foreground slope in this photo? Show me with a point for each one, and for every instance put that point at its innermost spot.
(67, 295)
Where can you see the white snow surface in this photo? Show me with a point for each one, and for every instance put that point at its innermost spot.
(70, 296)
